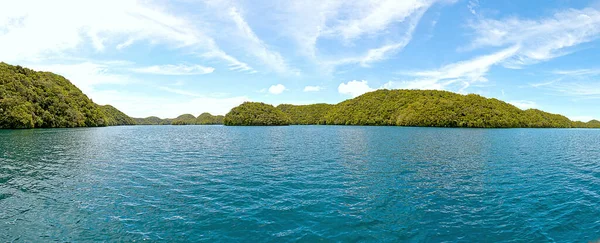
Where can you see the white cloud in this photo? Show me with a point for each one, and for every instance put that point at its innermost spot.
(579, 83)
(542, 84)
(277, 89)
(524, 104)
(587, 89)
(370, 17)
(342, 22)
(234, 64)
(180, 69)
(542, 39)
(354, 88)
(383, 52)
(578, 72)
(312, 88)
(257, 47)
(305, 21)
(473, 5)
(48, 30)
(461, 74)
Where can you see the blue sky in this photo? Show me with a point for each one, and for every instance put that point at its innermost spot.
(166, 58)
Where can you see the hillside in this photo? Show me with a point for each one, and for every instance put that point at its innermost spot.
(437, 109)
(185, 119)
(115, 117)
(306, 114)
(256, 114)
(31, 99)
(152, 120)
(208, 119)
(424, 108)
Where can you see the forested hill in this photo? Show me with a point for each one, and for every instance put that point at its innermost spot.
(418, 108)
(185, 119)
(30, 99)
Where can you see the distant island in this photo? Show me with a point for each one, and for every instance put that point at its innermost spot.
(185, 119)
(31, 99)
(421, 108)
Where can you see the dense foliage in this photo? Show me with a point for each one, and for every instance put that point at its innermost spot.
(256, 114)
(30, 99)
(152, 120)
(115, 117)
(424, 108)
(208, 119)
(306, 114)
(185, 119)
(437, 109)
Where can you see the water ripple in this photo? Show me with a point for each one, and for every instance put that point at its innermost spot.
(299, 183)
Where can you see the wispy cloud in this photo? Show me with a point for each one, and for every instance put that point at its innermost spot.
(462, 73)
(306, 21)
(583, 90)
(257, 47)
(234, 64)
(180, 69)
(372, 17)
(383, 52)
(542, 84)
(48, 30)
(340, 23)
(542, 39)
(578, 72)
(578, 83)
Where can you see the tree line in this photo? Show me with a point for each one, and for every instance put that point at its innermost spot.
(423, 108)
(31, 99)
(185, 119)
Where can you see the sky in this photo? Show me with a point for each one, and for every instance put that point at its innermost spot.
(166, 58)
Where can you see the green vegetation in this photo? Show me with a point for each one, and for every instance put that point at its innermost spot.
(185, 119)
(115, 117)
(437, 109)
(208, 119)
(30, 99)
(256, 114)
(414, 108)
(152, 120)
(590, 124)
(306, 114)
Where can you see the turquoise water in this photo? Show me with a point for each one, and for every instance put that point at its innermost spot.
(299, 183)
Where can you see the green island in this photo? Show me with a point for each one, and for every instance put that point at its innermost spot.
(256, 114)
(185, 119)
(421, 108)
(32, 99)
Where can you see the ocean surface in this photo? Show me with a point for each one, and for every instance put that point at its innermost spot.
(299, 184)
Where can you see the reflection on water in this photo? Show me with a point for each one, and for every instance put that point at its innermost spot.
(299, 183)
